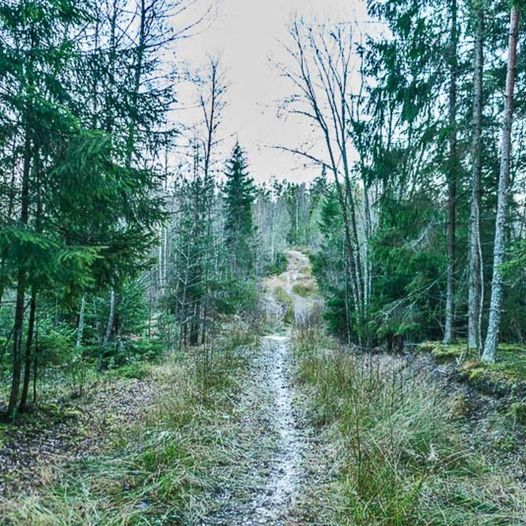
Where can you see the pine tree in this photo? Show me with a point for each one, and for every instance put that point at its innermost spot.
(240, 195)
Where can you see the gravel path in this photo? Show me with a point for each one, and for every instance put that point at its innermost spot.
(274, 476)
(273, 503)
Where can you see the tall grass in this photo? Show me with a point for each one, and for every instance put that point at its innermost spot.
(158, 471)
(402, 458)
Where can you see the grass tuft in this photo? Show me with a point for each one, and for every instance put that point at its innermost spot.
(304, 289)
(401, 456)
(157, 471)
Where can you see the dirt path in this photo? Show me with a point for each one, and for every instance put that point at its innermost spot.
(276, 444)
(275, 476)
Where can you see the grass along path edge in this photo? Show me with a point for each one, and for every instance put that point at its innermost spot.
(157, 472)
(398, 453)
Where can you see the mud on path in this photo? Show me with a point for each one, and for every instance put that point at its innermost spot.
(278, 437)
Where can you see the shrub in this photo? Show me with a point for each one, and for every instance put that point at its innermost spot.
(278, 266)
(303, 289)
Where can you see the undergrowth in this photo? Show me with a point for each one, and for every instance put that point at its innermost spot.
(401, 457)
(157, 470)
(304, 289)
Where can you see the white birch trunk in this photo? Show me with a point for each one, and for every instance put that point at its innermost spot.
(80, 328)
(492, 336)
(475, 258)
(111, 317)
(452, 180)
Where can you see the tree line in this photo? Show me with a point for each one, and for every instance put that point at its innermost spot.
(122, 233)
(420, 124)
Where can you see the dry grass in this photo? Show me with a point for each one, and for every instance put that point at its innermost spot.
(155, 473)
(401, 458)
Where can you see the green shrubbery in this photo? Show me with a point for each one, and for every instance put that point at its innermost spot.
(66, 363)
(277, 266)
(303, 289)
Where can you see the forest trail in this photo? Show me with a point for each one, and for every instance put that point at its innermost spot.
(276, 478)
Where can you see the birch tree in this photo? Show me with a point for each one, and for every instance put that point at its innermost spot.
(476, 278)
(323, 59)
(452, 176)
(492, 336)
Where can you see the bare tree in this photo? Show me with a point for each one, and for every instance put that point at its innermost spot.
(193, 244)
(323, 66)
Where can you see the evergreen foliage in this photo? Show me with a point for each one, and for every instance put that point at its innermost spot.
(240, 195)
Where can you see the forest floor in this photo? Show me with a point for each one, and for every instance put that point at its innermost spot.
(70, 430)
(285, 428)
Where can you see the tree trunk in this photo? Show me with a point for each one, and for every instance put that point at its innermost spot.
(17, 344)
(475, 262)
(111, 319)
(35, 366)
(109, 329)
(490, 346)
(80, 327)
(452, 180)
(28, 363)
(20, 290)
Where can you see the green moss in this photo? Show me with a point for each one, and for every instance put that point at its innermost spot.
(511, 347)
(507, 374)
(445, 352)
(303, 289)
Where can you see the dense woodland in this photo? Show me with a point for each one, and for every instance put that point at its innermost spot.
(427, 225)
(123, 232)
(131, 239)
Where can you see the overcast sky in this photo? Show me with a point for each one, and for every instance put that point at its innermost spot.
(246, 34)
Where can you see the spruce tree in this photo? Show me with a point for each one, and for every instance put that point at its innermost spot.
(240, 195)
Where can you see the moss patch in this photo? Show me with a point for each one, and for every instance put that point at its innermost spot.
(443, 352)
(506, 376)
(303, 289)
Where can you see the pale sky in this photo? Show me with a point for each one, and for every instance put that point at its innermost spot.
(246, 34)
